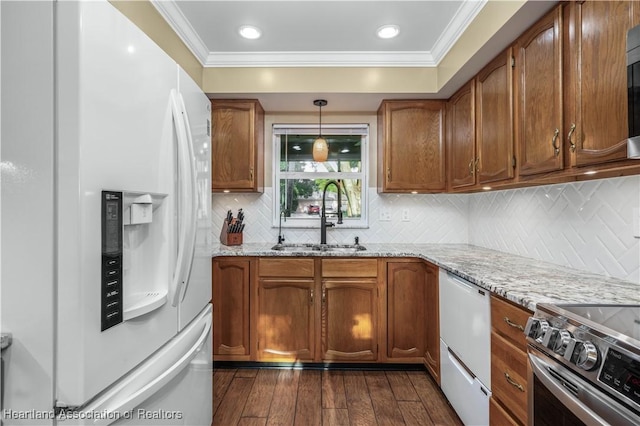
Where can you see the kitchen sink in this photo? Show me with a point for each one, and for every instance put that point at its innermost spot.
(340, 248)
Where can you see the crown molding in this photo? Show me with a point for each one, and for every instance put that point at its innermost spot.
(458, 25)
(319, 59)
(182, 27)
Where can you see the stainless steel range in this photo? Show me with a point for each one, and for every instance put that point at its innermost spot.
(585, 364)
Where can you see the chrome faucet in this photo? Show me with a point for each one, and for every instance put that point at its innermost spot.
(323, 216)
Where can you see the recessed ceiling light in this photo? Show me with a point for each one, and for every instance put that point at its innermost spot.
(296, 147)
(388, 31)
(247, 31)
(344, 150)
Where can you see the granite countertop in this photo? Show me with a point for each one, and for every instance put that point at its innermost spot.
(522, 280)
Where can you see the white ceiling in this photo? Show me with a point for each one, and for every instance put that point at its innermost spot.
(332, 33)
(319, 33)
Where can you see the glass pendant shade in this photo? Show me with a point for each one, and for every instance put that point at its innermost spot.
(320, 149)
(320, 146)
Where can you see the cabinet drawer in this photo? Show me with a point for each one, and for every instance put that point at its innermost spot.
(498, 416)
(509, 321)
(287, 267)
(344, 268)
(509, 376)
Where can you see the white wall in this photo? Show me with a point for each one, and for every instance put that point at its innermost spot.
(584, 225)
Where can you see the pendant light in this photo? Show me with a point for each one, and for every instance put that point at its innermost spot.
(320, 147)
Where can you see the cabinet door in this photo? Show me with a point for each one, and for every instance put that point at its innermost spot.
(285, 319)
(461, 137)
(406, 309)
(494, 120)
(411, 146)
(236, 146)
(432, 352)
(598, 79)
(349, 320)
(231, 306)
(539, 90)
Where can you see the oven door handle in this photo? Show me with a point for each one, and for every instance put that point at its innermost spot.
(570, 392)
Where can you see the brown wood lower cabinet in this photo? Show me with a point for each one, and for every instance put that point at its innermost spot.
(509, 363)
(407, 306)
(349, 330)
(286, 319)
(230, 293)
(349, 319)
(285, 314)
(432, 346)
(313, 309)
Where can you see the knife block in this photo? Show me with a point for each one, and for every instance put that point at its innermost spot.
(228, 239)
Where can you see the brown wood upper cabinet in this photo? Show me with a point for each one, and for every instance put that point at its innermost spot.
(479, 127)
(596, 79)
(539, 124)
(230, 293)
(411, 146)
(237, 146)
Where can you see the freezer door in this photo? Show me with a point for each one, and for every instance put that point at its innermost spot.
(197, 117)
(173, 387)
(115, 132)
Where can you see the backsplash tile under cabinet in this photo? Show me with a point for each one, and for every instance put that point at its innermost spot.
(584, 225)
(433, 219)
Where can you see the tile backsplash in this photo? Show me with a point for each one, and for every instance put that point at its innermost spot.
(584, 225)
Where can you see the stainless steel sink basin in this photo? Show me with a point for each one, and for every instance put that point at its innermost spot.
(340, 248)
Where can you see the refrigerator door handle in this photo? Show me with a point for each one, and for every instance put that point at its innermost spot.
(190, 239)
(186, 201)
(162, 367)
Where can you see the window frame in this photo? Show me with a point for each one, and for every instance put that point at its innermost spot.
(279, 130)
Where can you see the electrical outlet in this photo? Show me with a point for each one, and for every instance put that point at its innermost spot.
(405, 215)
(636, 223)
(384, 216)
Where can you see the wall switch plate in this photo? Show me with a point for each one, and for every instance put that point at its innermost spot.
(405, 215)
(384, 216)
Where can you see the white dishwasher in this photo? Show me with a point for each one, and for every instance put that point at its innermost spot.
(465, 347)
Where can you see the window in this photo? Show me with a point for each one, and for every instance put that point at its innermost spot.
(299, 182)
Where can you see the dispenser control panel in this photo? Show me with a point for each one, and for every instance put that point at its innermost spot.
(112, 228)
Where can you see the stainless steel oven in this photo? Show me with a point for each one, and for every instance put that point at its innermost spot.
(585, 365)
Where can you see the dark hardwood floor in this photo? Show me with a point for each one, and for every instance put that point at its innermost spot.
(327, 397)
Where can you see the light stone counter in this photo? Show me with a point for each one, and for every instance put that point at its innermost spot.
(520, 279)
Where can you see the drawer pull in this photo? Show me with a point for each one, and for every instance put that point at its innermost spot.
(513, 382)
(513, 324)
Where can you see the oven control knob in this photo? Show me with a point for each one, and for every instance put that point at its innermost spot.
(536, 328)
(561, 342)
(549, 337)
(587, 356)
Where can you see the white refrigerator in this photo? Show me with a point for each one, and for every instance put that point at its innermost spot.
(105, 223)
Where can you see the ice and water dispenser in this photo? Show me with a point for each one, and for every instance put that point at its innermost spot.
(135, 255)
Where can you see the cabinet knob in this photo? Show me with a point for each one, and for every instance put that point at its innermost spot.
(251, 173)
(471, 167)
(311, 296)
(388, 174)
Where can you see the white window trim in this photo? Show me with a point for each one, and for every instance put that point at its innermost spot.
(328, 129)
